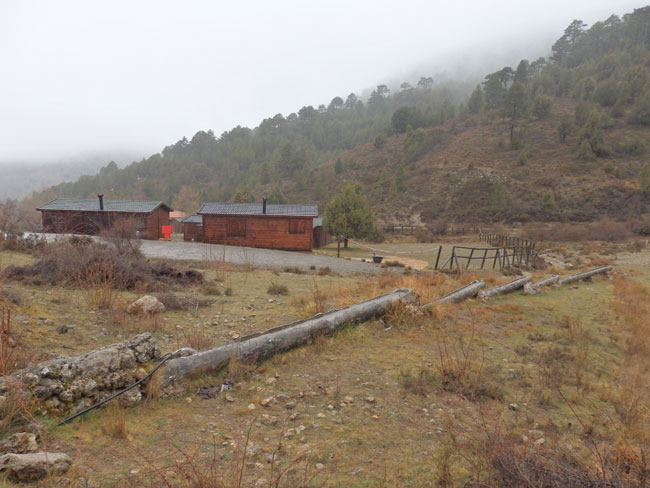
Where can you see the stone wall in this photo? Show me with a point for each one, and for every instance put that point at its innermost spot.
(69, 384)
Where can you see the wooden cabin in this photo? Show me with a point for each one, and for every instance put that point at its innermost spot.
(92, 217)
(193, 228)
(321, 237)
(272, 226)
(176, 218)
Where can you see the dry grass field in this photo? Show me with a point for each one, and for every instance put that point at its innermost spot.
(544, 390)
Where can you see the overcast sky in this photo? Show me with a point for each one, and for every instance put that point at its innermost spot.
(83, 77)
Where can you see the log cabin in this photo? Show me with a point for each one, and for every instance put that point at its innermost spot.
(93, 217)
(193, 228)
(272, 226)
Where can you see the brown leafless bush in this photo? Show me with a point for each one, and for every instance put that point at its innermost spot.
(601, 230)
(83, 262)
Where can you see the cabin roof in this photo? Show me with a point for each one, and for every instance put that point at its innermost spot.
(193, 219)
(92, 205)
(287, 210)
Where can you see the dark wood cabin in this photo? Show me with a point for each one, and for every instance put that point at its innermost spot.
(176, 219)
(193, 228)
(92, 217)
(321, 238)
(272, 226)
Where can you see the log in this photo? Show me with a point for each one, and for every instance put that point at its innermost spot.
(506, 288)
(549, 280)
(467, 291)
(584, 275)
(259, 346)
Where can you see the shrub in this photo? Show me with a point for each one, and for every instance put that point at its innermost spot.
(294, 270)
(90, 264)
(277, 289)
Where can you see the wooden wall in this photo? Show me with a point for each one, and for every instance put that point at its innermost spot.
(93, 223)
(192, 232)
(266, 231)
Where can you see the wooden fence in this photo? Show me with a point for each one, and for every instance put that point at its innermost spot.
(504, 240)
(462, 257)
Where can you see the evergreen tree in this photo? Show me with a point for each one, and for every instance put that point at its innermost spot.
(348, 213)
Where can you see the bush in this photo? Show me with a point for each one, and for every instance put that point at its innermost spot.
(87, 263)
(277, 289)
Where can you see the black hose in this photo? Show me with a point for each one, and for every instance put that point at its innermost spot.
(115, 395)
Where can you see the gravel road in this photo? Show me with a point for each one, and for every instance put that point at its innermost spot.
(259, 258)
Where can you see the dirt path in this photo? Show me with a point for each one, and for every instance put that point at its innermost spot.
(259, 258)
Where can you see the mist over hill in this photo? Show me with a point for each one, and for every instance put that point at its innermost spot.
(557, 138)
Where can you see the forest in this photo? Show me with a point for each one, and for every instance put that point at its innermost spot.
(593, 90)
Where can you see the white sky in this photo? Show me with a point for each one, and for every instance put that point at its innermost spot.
(99, 76)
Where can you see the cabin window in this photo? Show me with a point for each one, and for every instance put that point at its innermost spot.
(296, 227)
(236, 228)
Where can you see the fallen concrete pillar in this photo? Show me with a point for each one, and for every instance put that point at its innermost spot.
(266, 344)
(549, 280)
(584, 275)
(467, 291)
(506, 288)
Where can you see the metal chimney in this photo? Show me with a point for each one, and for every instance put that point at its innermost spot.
(101, 201)
(264, 205)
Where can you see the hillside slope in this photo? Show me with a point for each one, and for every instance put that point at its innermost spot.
(563, 138)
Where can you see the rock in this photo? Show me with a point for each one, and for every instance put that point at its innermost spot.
(66, 382)
(290, 405)
(540, 441)
(146, 305)
(62, 329)
(320, 466)
(270, 381)
(131, 398)
(266, 402)
(34, 466)
(19, 443)
(370, 399)
(229, 397)
(529, 289)
(268, 419)
(513, 406)
(251, 406)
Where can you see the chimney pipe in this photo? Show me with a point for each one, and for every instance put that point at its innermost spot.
(264, 205)
(101, 201)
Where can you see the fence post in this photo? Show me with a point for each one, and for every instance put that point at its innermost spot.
(438, 258)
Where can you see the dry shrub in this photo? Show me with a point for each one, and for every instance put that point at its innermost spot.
(196, 338)
(421, 383)
(89, 264)
(324, 271)
(239, 370)
(152, 389)
(403, 316)
(113, 423)
(15, 406)
(601, 230)
(632, 306)
(195, 467)
(460, 363)
(188, 302)
(277, 289)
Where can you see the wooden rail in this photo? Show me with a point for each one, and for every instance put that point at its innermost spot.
(501, 240)
(505, 257)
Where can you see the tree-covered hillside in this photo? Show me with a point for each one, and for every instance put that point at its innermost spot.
(558, 138)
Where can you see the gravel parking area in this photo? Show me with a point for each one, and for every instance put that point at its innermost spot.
(259, 258)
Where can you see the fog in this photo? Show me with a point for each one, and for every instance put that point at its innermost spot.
(83, 77)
